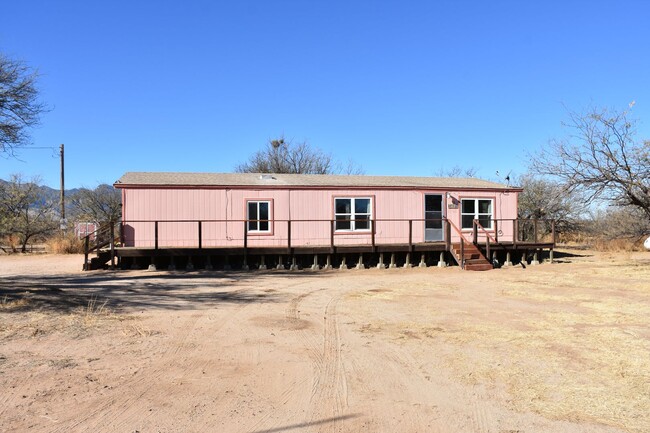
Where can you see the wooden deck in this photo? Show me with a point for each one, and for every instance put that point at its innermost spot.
(345, 249)
(107, 241)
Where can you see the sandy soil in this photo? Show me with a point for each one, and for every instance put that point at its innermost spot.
(551, 348)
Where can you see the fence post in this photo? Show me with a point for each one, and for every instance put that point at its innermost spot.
(200, 235)
(155, 234)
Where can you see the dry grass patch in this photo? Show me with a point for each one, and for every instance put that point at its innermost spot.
(9, 304)
(567, 344)
(583, 357)
(68, 244)
(95, 317)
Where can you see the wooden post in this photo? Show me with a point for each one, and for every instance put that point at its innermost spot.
(475, 232)
(515, 232)
(462, 253)
(410, 235)
(112, 245)
(372, 234)
(289, 235)
(245, 242)
(86, 248)
(155, 234)
(487, 247)
(122, 233)
(200, 235)
(98, 239)
(447, 234)
(552, 235)
(332, 228)
(496, 230)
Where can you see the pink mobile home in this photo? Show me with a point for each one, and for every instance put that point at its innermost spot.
(309, 214)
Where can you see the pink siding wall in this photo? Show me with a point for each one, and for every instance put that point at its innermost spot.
(229, 206)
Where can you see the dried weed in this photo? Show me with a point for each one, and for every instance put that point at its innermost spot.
(8, 304)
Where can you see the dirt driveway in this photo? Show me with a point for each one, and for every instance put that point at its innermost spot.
(551, 348)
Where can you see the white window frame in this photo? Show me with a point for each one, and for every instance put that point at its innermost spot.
(353, 215)
(476, 214)
(257, 220)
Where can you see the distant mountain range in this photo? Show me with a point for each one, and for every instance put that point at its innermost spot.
(50, 193)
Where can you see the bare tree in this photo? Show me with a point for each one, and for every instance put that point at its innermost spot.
(20, 107)
(281, 156)
(102, 204)
(545, 199)
(457, 171)
(618, 222)
(25, 212)
(601, 159)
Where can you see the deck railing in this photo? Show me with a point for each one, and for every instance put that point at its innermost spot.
(288, 234)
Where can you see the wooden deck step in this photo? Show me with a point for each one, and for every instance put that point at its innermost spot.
(473, 258)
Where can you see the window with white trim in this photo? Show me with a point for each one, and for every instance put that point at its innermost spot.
(476, 208)
(259, 216)
(353, 213)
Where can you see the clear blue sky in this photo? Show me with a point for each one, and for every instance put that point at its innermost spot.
(402, 88)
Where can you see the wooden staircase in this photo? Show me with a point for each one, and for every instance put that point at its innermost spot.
(473, 258)
(102, 242)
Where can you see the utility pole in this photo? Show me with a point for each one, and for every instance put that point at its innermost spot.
(62, 190)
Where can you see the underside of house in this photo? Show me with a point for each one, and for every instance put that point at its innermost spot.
(292, 221)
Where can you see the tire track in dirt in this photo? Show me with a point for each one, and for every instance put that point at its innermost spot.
(19, 386)
(107, 411)
(481, 419)
(310, 341)
(309, 338)
(123, 418)
(329, 391)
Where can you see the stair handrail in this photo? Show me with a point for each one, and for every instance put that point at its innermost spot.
(478, 226)
(99, 235)
(462, 243)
